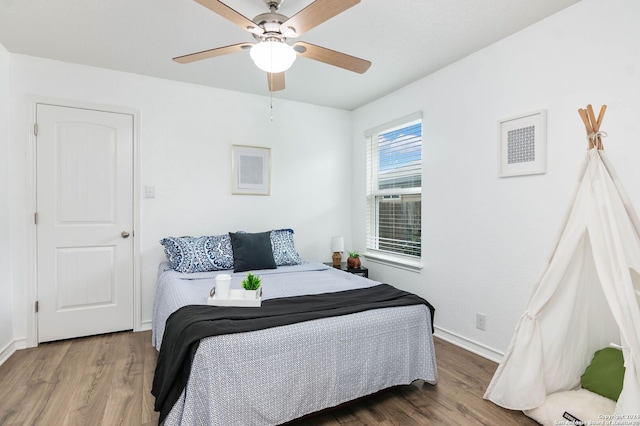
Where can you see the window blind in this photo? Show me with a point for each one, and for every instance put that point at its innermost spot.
(394, 189)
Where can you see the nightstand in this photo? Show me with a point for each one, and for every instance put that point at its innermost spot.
(362, 271)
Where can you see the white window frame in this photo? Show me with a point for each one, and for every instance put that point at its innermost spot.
(372, 192)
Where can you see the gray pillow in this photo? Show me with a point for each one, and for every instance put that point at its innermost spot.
(252, 251)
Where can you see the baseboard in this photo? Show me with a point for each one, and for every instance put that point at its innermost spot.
(469, 345)
(144, 326)
(10, 349)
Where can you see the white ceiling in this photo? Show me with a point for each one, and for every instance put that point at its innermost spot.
(404, 39)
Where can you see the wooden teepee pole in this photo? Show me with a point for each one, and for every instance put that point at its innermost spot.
(592, 126)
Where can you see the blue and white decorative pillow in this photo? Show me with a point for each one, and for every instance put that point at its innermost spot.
(284, 252)
(199, 254)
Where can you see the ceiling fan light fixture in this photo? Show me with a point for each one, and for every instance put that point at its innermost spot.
(273, 55)
(289, 32)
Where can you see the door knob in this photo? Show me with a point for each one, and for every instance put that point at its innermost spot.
(124, 234)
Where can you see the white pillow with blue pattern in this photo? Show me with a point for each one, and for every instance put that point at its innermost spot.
(199, 254)
(284, 251)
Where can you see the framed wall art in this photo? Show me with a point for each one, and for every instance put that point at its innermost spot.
(522, 144)
(251, 170)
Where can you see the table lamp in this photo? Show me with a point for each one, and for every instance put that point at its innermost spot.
(337, 247)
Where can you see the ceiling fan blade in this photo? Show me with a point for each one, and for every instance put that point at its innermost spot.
(331, 57)
(313, 15)
(212, 53)
(233, 16)
(275, 81)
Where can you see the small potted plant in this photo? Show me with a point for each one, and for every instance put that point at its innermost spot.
(251, 284)
(353, 261)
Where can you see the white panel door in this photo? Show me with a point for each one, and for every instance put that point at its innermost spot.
(85, 222)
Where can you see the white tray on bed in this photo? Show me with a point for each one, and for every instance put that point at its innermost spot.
(236, 298)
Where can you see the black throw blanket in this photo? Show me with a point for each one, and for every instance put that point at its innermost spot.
(186, 326)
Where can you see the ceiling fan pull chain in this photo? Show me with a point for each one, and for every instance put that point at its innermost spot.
(271, 118)
(271, 99)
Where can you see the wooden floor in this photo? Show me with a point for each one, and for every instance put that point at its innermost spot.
(106, 380)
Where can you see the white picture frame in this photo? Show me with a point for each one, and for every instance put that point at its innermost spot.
(250, 170)
(522, 144)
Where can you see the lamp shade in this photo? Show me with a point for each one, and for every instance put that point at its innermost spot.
(337, 244)
(273, 55)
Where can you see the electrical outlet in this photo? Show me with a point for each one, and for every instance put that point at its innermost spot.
(481, 321)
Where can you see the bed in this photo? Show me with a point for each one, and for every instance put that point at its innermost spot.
(271, 376)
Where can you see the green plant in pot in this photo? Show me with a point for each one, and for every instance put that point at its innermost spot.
(353, 261)
(251, 284)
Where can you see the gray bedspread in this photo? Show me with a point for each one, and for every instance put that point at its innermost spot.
(271, 376)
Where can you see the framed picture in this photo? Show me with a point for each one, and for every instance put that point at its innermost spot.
(251, 170)
(522, 144)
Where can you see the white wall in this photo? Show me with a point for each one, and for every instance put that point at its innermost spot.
(486, 239)
(6, 323)
(186, 132)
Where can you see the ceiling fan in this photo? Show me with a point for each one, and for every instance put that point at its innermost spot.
(272, 53)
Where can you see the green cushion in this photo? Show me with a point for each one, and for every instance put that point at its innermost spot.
(605, 374)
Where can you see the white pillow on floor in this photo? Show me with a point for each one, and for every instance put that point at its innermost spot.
(581, 404)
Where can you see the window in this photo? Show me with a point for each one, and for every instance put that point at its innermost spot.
(394, 188)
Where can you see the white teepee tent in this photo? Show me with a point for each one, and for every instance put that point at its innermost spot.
(588, 297)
